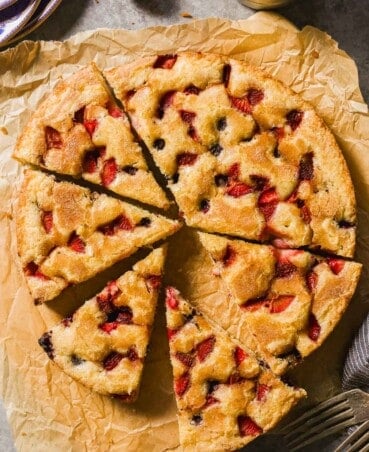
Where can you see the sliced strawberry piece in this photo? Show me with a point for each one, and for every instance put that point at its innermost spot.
(311, 280)
(76, 243)
(67, 321)
(210, 400)
(165, 102)
(239, 189)
(53, 138)
(108, 327)
(171, 333)
(132, 354)
(284, 269)
(255, 96)
(336, 265)
(254, 305)
(79, 115)
(47, 221)
(279, 133)
(90, 125)
(261, 392)
(187, 116)
(281, 244)
(32, 269)
(205, 348)
(306, 167)
(181, 384)
(229, 256)
(171, 298)
(119, 223)
(109, 171)
(105, 299)
(248, 427)
(268, 196)
(186, 159)
(306, 214)
(165, 61)
(192, 132)
(234, 171)
(268, 210)
(185, 358)
(281, 303)
(114, 110)
(235, 378)
(192, 89)
(294, 118)
(239, 355)
(112, 360)
(241, 103)
(153, 282)
(226, 74)
(125, 315)
(314, 328)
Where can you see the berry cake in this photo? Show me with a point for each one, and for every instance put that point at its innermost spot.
(244, 155)
(291, 300)
(80, 130)
(103, 344)
(67, 234)
(224, 396)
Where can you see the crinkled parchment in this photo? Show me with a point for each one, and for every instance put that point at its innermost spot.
(48, 410)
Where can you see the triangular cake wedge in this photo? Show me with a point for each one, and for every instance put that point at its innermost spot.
(80, 130)
(244, 155)
(103, 344)
(67, 234)
(224, 396)
(290, 299)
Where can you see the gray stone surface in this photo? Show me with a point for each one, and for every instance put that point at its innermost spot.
(346, 21)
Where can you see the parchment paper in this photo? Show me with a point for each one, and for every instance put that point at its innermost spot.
(48, 410)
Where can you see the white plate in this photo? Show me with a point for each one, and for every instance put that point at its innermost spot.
(14, 18)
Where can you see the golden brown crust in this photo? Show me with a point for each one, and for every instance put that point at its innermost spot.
(66, 233)
(80, 130)
(214, 113)
(103, 344)
(291, 300)
(225, 399)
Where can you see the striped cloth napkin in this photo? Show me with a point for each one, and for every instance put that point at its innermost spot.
(356, 369)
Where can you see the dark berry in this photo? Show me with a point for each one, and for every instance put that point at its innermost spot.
(346, 224)
(145, 221)
(159, 144)
(175, 178)
(226, 74)
(204, 205)
(76, 360)
(46, 343)
(276, 152)
(216, 149)
(196, 419)
(131, 170)
(221, 180)
(221, 124)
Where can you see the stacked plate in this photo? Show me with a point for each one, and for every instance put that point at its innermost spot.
(19, 17)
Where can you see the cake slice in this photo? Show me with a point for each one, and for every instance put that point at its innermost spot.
(291, 299)
(243, 154)
(224, 396)
(80, 130)
(67, 234)
(103, 344)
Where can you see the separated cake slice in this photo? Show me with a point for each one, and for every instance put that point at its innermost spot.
(224, 397)
(291, 300)
(80, 130)
(103, 344)
(244, 155)
(67, 234)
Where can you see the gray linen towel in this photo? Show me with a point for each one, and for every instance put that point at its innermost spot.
(356, 369)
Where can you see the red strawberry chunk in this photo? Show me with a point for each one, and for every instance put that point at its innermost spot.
(242, 104)
(109, 171)
(32, 269)
(171, 333)
(268, 210)
(119, 223)
(311, 280)
(185, 358)
(254, 96)
(261, 392)
(76, 243)
(114, 110)
(192, 132)
(192, 89)
(281, 303)
(153, 282)
(278, 132)
(47, 221)
(281, 244)
(234, 171)
(306, 214)
(248, 427)
(165, 102)
(314, 328)
(336, 265)
(267, 202)
(132, 354)
(210, 400)
(294, 118)
(181, 384)
(108, 327)
(53, 138)
(306, 167)
(112, 360)
(284, 269)
(165, 61)
(226, 74)
(238, 189)
(254, 305)
(187, 116)
(90, 125)
(205, 348)
(229, 256)
(91, 158)
(186, 159)
(235, 378)
(240, 355)
(105, 299)
(171, 298)
(67, 321)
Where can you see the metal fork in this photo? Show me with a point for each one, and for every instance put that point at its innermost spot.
(329, 417)
(357, 441)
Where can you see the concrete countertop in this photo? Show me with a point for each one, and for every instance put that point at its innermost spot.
(346, 21)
